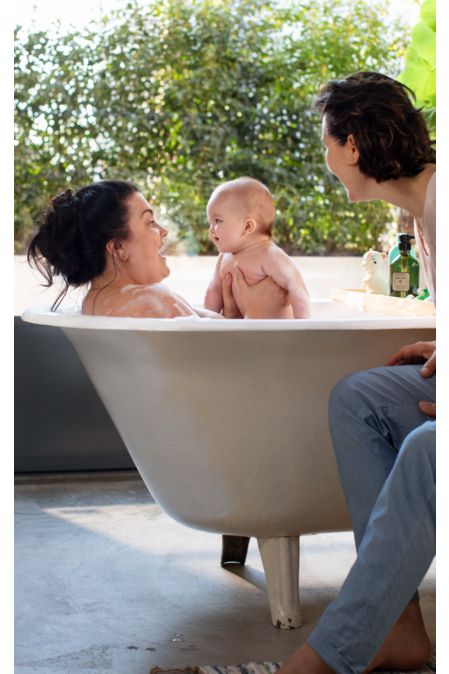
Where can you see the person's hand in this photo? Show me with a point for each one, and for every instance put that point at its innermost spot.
(416, 353)
(430, 366)
(230, 308)
(428, 408)
(428, 369)
(264, 299)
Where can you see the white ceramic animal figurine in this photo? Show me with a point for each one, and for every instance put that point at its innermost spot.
(376, 279)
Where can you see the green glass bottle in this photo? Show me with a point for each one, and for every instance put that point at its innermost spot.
(394, 251)
(404, 270)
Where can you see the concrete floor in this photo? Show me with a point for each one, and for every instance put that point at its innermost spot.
(107, 583)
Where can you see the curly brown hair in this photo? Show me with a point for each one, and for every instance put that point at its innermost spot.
(73, 232)
(389, 132)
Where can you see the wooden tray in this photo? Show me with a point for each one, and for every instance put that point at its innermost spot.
(383, 304)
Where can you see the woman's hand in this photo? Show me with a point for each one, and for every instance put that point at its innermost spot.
(416, 353)
(230, 308)
(264, 299)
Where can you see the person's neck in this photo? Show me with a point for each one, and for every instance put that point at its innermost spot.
(406, 193)
(253, 242)
(112, 277)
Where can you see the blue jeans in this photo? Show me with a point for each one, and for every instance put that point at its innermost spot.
(385, 449)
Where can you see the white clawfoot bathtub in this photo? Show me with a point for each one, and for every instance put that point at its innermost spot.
(226, 421)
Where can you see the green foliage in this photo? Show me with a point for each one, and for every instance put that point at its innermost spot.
(420, 62)
(179, 96)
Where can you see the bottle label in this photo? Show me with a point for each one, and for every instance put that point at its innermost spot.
(401, 281)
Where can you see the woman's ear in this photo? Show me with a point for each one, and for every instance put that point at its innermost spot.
(355, 154)
(110, 247)
(115, 248)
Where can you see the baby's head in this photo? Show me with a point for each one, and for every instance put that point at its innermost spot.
(240, 212)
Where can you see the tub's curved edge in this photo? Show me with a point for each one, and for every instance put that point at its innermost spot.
(72, 318)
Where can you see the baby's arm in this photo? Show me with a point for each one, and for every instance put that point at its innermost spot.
(286, 274)
(213, 299)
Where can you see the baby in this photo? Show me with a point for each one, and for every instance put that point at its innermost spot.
(241, 213)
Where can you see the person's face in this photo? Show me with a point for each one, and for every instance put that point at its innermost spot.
(226, 223)
(144, 262)
(342, 161)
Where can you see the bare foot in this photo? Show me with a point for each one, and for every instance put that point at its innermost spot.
(305, 661)
(407, 646)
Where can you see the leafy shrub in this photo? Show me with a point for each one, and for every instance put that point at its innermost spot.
(420, 62)
(180, 96)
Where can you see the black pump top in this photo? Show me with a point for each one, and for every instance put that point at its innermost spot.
(404, 242)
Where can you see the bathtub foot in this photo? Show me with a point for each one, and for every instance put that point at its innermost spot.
(280, 558)
(234, 549)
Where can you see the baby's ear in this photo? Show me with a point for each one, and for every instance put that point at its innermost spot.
(250, 226)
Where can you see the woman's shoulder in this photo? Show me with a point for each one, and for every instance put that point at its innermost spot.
(135, 301)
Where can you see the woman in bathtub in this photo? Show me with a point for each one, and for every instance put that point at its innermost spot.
(106, 234)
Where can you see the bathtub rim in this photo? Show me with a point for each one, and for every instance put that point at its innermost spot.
(70, 317)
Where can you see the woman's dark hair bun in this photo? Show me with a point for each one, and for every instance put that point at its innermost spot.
(73, 232)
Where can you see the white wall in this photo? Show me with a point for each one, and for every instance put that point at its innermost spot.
(190, 276)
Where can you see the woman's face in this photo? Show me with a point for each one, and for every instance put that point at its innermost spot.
(342, 161)
(144, 262)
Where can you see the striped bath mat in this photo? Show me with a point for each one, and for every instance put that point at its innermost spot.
(249, 668)
(263, 668)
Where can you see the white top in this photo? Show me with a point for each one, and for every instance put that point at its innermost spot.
(425, 235)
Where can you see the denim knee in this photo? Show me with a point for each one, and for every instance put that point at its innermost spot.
(418, 448)
(346, 395)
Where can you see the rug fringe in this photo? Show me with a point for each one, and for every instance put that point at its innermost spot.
(181, 670)
(266, 668)
(248, 668)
